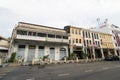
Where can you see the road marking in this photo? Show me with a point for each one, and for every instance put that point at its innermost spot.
(30, 79)
(89, 70)
(117, 66)
(65, 74)
(105, 68)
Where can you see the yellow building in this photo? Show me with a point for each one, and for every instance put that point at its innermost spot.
(107, 44)
(75, 40)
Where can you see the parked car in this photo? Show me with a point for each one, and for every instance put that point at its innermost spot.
(112, 58)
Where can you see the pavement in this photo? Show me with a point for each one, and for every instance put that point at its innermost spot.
(7, 68)
(105, 70)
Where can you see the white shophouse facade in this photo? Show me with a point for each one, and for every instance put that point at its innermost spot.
(92, 44)
(35, 41)
(4, 44)
(115, 32)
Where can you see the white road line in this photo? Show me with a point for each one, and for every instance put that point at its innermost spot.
(64, 74)
(117, 66)
(105, 68)
(89, 70)
(30, 79)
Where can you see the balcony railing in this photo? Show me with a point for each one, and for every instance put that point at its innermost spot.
(30, 38)
(37, 38)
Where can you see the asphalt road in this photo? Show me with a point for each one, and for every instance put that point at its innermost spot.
(88, 71)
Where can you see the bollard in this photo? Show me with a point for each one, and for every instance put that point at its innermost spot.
(94, 58)
(50, 60)
(77, 59)
(86, 59)
(0, 62)
(64, 59)
(33, 61)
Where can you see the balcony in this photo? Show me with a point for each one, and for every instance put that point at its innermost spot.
(31, 38)
(57, 40)
(38, 38)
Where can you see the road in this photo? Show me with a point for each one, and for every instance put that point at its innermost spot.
(87, 71)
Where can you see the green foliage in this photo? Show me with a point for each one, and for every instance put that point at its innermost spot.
(12, 58)
(84, 55)
(45, 57)
(72, 56)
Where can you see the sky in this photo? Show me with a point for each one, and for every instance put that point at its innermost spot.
(57, 13)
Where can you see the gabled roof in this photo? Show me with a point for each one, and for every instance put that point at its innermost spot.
(40, 25)
(3, 38)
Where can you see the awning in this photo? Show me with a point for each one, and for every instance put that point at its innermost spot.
(78, 44)
(3, 48)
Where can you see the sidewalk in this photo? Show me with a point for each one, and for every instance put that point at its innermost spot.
(5, 70)
(48, 62)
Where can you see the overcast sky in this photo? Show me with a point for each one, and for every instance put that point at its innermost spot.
(57, 13)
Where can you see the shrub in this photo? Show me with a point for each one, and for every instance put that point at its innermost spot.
(72, 56)
(45, 57)
(12, 58)
(84, 55)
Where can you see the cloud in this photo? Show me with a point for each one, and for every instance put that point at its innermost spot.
(57, 13)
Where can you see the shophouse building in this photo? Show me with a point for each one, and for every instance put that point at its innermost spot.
(115, 32)
(107, 44)
(36, 41)
(75, 40)
(88, 41)
(4, 44)
(92, 44)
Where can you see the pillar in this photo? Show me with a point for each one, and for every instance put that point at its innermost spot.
(66, 51)
(93, 50)
(47, 50)
(102, 53)
(115, 52)
(109, 52)
(36, 52)
(119, 52)
(71, 49)
(86, 50)
(26, 53)
(15, 48)
(56, 53)
(0, 61)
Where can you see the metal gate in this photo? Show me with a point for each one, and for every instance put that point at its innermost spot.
(41, 52)
(21, 51)
(31, 53)
(52, 53)
(62, 53)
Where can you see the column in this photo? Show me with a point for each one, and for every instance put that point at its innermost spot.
(66, 51)
(36, 52)
(115, 52)
(119, 52)
(71, 49)
(93, 50)
(83, 49)
(109, 52)
(47, 50)
(26, 53)
(15, 48)
(56, 53)
(86, 50)
(102, 53)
